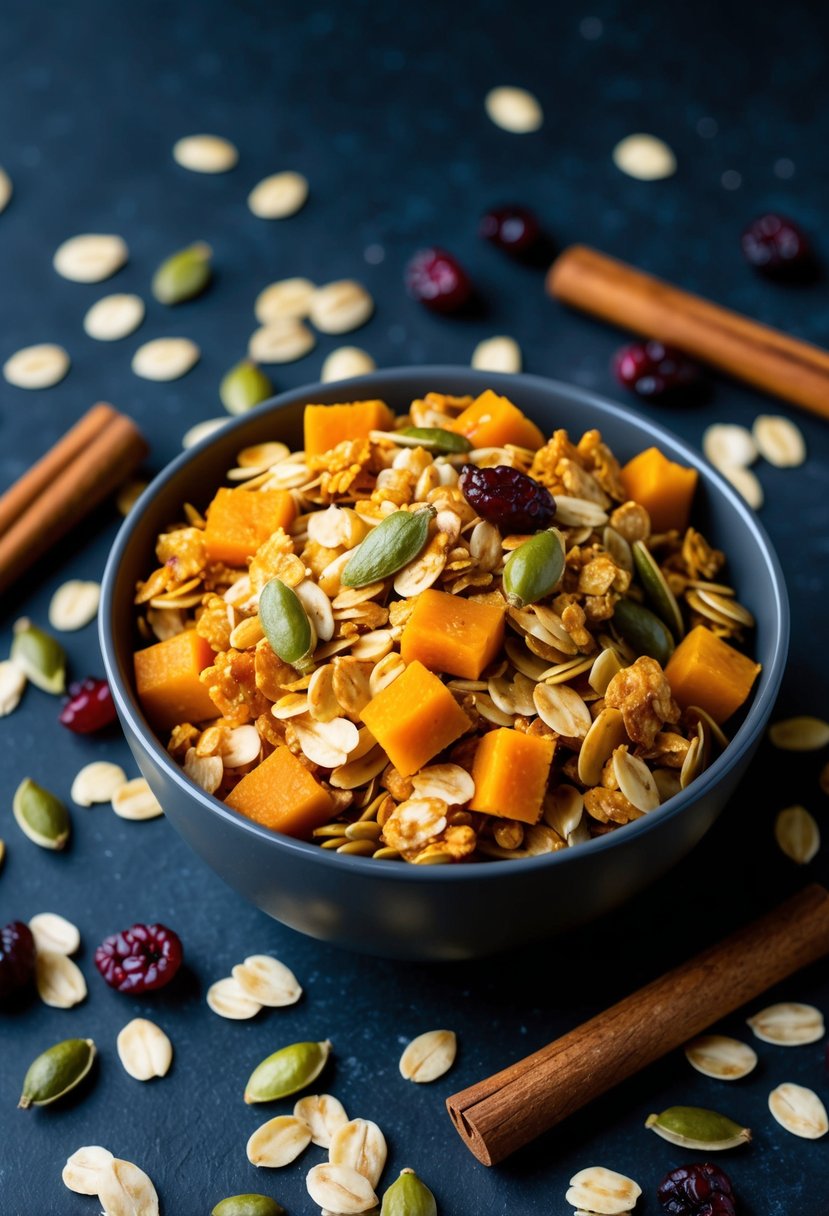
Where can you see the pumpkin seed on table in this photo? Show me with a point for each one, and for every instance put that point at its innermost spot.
(144, 1049)
(97, 782)
(278, 1142)
(396, 541)
(694, 1127)
(74, 605)
(90, 258)
(533, 570)
(801, 734)
(499, 354)
(797, 834)
(282, 340)
(205, 153)
(780, 442)
(725, 1059)
(788, 1024)
(40, 815)
(345, 362)
(39, 366)
(85, 1169)
(361, 1145)
(114, 317)
(12, 686)
(435, 438)
(165, 359)
(339, 307)
(799, 1110)
(408, 1196)
(267, 981)
(183, 275)
(644, 157)
(53, 932)
(286, 624)
(286, 1071)
(247, 1205)
(602, 1191)
(279, 196)
(59, 982)
(324, 1114)
(228, 1000)
(340, 1189)
(6, 189)
(243, 387)
(56, 1071)
(429, 1056)
(513, 109)
(39, 656)
(643, 630)
(135, 800)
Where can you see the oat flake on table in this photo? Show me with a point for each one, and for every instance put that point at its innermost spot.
(39, 366)
(514, 109)
(165, 358)
(114, 317)
(205, 153)
(91, 257)
(644, 157)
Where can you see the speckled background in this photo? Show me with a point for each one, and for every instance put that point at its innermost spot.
(381, 107)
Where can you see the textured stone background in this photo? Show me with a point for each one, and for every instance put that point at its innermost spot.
(382, 109)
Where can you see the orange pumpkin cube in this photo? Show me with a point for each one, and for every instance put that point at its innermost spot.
(448, 633)
(167, 680)
(414, 718)
(282, 795)
(664, 488)
(511, 771)
(238, 521)
(492, 421)
(327, 425)
(705, 671)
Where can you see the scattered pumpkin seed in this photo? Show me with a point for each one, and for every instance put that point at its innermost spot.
(90, 258)
(643, 630)
(202, 430)
(788, 1024)
(85, 1169)
(59, 981)
(53, 932)
(282, 340)
(38, 366)
(56, 1071)
(144, 1049)
(243, 387)
(135, 800)
(183, 275)
(39, 656)
(74, 605)
(716, 1055)
(693, 1127)
(797, 834)
(226, 998)
(408, 1196)
(40, 815)
(338, 308)
(324, 1114)
(278, 1142)
(513, 109)
(247, 1205)
(12, 686)
(6, 189)
(345, 362)
(165, 358)
(97, 782)
(279, 196)
(602, 1191)
(746, 484)
(499, 354)
(435, 439)
(361, 1145)
(656, 588)
(267, 981)
(802, 734)
(340, 1189)
(286, 1071)
(126, 1190)
(286, 624)
(396, 541)
(533, 570)
(799, 1110)
(205, 153)
(727, 446)
(114, 317)
(644, 157)
(429, 1056)
(780, 442)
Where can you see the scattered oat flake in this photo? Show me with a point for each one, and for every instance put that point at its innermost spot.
(361, 1145)
(205, 153)
(202, 430)
(345, 362)
(91, 257)
(97, 782)
(12, 686)
(229, 1000)
(54, 932)
(59, 981)
(746, 484)
(266, 980)
(136, 801)
(339, 307)
(278, 1142)
(127, 1191)
(129, 494)
(727, 445)
(39, 366)
(340, 1189)
(283, 340)
(514, 109)
(324, 1114)
(6, 189)
(74, 605)
(285, 298)
(801, 734)
(165, 358)
(797, 834)
(114, 317)
(799, 1110)
(716, 1055)
(600, 1190)
(644, 157)
(84, 1169)
(429, 1056)
(788, 1024)
(779, 441)
(498, 354)
(279, 196)
(144, 1049)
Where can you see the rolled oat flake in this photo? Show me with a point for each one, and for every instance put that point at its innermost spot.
(205, 153)
(91, 257)
(799, 1110)
(39, 366)
(165, 358)
(114, 317)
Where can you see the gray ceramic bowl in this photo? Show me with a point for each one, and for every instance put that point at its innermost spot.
(439, 912)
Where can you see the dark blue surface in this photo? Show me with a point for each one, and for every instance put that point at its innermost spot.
(382, 110)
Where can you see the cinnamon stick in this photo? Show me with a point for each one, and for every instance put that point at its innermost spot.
(508, 1110)
(78, 473)
(762, 356)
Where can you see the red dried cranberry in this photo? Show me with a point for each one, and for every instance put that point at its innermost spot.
(507, 497)
(653, 370)
(140, 959)
(777, 247)
(438, 281)
(696, 1190)
(90, 707)
(513, 229)
(17, 957)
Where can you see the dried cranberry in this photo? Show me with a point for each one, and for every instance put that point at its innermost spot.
(17, 957)
(696, 1190)
(139, 959)
(777, 247)
(90, 707)
(438, 281)
(653, 370)
(507, 497)
(513, 229)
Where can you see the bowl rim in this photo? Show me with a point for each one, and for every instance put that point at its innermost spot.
(743, 740)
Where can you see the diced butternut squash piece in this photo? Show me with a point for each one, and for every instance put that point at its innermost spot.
(491, 421)
(414, 718)
(238, 521)
(511, 771)
(448, 633)
(282, 795)
(328, 425)
(705, 671)
(167, 680)
(664, 488)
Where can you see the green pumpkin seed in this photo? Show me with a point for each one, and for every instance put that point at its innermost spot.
(183, 275)
(286, 624)
(643, 630)
(56, 1071)
(248, 1205)
(388, 548)
(693, 1127)
(243, 387)
(534, 569)
(40, 815)
(408, 1196)
(656, 587)
(39, 656)
(287, 1071)
(437, 439)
